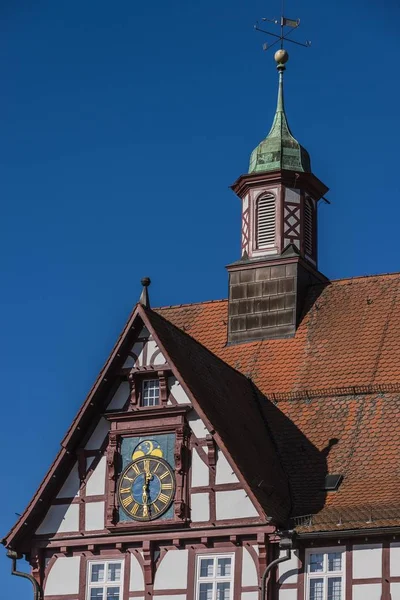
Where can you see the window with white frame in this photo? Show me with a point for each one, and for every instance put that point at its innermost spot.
(325, 574)
(214, 577)
(150, 392)
(105, 580)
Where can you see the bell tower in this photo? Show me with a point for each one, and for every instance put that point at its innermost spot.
(279, 254)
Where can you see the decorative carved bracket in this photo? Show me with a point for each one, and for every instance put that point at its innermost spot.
(112, 460)
(148, 555)
(212, 451)
(134, 392)
(182, 453)
(163, 387)
(262, 552)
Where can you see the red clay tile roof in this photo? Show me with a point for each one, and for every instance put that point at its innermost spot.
(333, 388)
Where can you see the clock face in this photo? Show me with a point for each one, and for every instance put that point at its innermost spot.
(146, 488)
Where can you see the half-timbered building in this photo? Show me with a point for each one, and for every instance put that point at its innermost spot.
(243, 448)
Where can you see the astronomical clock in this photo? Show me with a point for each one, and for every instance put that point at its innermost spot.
(147, 471)
(146, 487)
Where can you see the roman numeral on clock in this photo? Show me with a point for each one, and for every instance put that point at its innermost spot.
(165, 486)
(125, 490)
(163, 498)
(136, 469)
(127, 501)
(134, 509)
(164, 475)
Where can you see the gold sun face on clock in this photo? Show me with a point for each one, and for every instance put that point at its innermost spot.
(146, 488)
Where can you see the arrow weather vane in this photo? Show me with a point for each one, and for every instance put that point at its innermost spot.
(290, 25)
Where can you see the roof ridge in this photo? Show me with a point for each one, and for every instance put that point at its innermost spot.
(189, 304)
(376, 275)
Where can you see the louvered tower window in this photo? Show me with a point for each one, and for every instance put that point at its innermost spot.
(266, 221)
(308, 227)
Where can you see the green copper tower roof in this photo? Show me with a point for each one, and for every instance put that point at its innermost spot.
(280, 150)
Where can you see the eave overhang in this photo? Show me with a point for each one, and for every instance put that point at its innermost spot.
(290, 179)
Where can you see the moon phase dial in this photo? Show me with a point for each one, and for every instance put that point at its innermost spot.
(146, 488)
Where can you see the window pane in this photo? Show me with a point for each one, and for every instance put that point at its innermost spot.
(113, 593)
(316, 589)
(334, 588)
(151, 392)
(224, 567)
(334, 561)
(97, 573)
(316, 563)
(206, 591)
(96, 593)
(223, 591)
(206, 567)
(114, 572)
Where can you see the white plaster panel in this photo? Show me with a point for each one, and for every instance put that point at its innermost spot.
(292, 195)
(172, 597)
(94, 516)
(234, 504)
(120, 396)
(395, 559)
(395, 591)
(99, 435)
(367, 591)
(200, 507)
(159, 359)
(224, 473)
(70, 489)
(173, 571)
(249, 596)
(96, 483)
(63, 577)
(245, 203)
(177, 391)
(60, 518)
(289, 570)
(200, 471)
(288, 594)
(197, 425)
(136, 581)
(249, 571)
(367, 561)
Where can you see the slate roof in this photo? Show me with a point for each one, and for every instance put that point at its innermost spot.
(331, 396)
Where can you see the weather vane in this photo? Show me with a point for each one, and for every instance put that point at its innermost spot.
(287, 27)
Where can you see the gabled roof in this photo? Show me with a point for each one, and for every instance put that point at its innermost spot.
(324, 401)
(223, 398)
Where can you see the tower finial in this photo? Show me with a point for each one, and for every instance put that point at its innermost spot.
(281, 57)
(280, 150)
(144, 299)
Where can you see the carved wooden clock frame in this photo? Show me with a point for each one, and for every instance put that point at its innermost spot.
(149, 421)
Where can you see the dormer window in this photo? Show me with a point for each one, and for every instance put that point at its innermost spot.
(265, 221)
(150, 392)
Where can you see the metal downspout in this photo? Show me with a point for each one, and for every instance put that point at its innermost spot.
(286, 543)
(36, 587)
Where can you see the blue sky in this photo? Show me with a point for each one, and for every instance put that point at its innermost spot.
(122, 126)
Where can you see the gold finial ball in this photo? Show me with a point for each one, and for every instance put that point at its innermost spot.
(281, 56)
